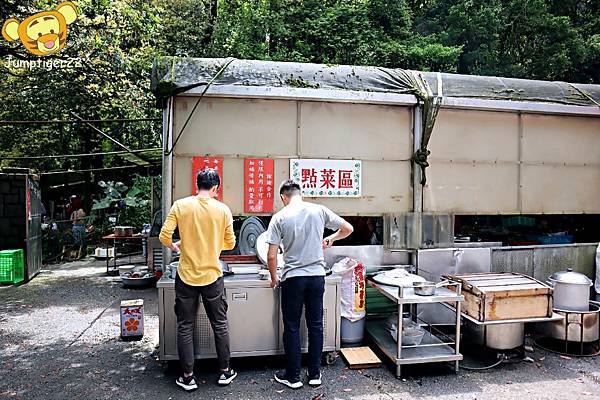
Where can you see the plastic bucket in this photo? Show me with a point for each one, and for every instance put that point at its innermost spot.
(352, 332)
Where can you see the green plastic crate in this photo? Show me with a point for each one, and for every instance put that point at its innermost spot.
(12, 266)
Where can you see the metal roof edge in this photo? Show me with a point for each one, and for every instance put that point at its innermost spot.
(519, 106)
(308, 94)
(362, 97)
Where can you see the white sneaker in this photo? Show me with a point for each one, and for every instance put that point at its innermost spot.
(315, 380)
(226, 377)
(293, 384)
(188, 384)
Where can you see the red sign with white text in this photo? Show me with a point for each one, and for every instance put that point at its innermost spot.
(200, 163)
(258, 185)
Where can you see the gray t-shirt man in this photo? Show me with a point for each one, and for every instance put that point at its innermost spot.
(299, 228)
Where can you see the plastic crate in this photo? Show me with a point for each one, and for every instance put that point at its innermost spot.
(12, 266)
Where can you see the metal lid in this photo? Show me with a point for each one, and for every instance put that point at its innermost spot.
(249, 232)
(570, 276)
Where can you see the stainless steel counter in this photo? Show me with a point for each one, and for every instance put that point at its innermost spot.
(255, 323)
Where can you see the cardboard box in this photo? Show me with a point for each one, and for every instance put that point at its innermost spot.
(132, 318)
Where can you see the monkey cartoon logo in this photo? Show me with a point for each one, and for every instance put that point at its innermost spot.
(44, 33)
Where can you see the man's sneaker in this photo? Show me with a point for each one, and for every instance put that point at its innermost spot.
(315, 380)
(187, 383)
(291, 383)
(226, 377)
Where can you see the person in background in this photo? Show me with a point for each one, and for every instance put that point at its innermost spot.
(78, 229)
(299, 227)
(205, 228)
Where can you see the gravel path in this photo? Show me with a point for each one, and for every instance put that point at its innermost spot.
(59, 339)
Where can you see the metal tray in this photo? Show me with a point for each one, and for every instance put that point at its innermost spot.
(138, 282)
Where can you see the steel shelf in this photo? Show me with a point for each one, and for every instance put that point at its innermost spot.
(431, 349)
(408, 296)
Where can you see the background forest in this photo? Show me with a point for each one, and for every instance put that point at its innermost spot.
(117, 41)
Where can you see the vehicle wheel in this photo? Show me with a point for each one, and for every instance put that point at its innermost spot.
(331, 357)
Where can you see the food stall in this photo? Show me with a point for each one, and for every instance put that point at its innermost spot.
(414, 148)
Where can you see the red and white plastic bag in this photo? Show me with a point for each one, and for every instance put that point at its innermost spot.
(353, 288)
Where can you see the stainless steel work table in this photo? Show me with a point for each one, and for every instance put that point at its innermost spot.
(255, 323)
(435, 346)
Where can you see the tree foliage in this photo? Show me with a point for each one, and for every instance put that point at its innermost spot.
(117, 40)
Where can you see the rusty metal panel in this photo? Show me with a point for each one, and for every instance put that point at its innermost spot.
(360, 131)
(474, 163)
(561, 139)
(512, 260)
(550, 259)
(560, 189)
(544, 260)
(475, 135)
(236, 126)
(471, 188)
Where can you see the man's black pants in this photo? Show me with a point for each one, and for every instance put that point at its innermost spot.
(297, 293)
(186, 308)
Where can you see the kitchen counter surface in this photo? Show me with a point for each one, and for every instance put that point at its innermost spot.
(241, 280)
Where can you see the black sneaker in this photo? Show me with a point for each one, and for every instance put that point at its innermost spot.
(291, 383)
(187, 383)
(315, 380)
(226, 377)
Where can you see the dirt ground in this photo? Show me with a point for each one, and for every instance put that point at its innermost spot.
(59, 339)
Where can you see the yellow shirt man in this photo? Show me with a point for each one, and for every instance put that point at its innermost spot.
(206, 229)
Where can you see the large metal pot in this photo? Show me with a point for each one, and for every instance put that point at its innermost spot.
(571, 290)
(497, 336)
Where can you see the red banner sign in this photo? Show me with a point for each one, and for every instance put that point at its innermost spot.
(258, 185)
(200, 163)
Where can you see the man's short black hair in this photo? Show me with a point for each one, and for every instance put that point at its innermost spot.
(289, 188)
(207, 179)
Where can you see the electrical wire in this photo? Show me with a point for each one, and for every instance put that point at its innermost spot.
(214, 78)
(80, 155)
(66, 122)
(482, 368)
(97, 169)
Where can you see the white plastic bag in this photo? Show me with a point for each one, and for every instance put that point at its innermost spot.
(353, 288)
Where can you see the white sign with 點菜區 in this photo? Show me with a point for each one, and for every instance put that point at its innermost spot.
(327, 178)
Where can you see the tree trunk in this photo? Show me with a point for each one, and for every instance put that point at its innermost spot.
(210, 26)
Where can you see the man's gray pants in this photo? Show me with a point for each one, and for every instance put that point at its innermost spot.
(186, 307)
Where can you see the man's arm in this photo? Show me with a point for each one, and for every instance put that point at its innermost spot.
(229, 237)
(341, 226)
(166, 232)
(274, 236)
(272, 264)
(345, 230)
